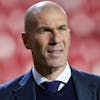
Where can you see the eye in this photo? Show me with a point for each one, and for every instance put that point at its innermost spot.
(44, 30)
(63, 28)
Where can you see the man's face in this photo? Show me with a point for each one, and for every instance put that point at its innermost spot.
(51, 40)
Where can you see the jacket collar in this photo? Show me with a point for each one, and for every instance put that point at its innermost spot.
(26, 89)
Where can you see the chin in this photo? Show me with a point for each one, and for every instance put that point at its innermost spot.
(56, 64)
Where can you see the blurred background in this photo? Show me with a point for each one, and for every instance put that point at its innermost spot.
(84, 21)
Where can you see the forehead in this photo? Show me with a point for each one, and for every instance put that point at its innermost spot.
(51, 17)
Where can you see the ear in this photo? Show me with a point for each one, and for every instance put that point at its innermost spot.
(26, 40)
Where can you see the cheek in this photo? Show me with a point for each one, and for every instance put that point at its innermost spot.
(68, 38)
(40, 44)
(43, 39)
(66, 41)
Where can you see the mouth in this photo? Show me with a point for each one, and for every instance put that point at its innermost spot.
(55, 52)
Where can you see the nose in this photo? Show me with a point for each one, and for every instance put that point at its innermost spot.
(55, 37)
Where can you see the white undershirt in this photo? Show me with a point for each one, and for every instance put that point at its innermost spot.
(63, 77)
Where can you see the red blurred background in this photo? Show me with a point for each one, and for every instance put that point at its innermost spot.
(84, 21)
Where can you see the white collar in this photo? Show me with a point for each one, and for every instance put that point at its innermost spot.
(63, 77)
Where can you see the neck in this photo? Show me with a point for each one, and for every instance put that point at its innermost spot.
(50, 73)
(55, 73)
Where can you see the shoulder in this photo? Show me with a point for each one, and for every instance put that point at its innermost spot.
(22, 79)
(86, 82)
(7, 89)
(86, 77)
(11, 84)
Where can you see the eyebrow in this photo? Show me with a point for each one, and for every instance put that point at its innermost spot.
(63, 26)
(44, 28)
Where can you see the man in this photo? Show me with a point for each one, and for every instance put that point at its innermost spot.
(47, 35)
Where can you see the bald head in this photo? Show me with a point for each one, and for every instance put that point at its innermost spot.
(32, 12)
(44, 5)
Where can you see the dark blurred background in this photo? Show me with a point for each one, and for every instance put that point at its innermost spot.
(84, 21)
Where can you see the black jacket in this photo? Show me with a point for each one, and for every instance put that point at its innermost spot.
(23, 88)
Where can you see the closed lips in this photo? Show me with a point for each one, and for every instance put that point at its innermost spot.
(55, 51)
